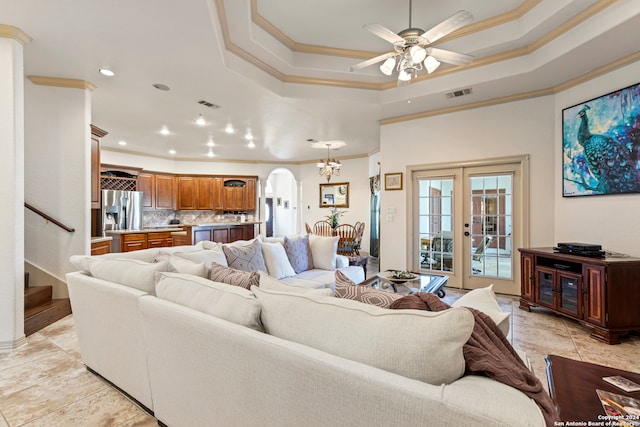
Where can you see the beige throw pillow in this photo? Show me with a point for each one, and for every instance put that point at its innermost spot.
(484, 300)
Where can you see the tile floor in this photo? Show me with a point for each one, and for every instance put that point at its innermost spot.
(44, 383)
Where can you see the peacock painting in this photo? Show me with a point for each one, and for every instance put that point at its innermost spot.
(601, 145)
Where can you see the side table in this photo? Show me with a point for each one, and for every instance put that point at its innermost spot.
(573, 384)
(360, 260)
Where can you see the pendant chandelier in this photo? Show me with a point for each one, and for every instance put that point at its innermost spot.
(330, 166)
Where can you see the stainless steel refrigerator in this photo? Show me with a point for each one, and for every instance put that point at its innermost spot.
(121, 210)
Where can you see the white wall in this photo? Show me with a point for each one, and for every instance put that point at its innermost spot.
(517, 128)
(57, 176)
(607, 220)
(355, 172)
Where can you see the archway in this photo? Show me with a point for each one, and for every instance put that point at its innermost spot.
(282, 189)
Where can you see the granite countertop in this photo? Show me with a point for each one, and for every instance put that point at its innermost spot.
(101, 239)
(212, 224)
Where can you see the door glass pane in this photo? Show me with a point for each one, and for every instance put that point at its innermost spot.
(435, 223)
(569, 292)
(545, 287)
(490, 226)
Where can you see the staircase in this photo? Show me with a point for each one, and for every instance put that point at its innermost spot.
(40, 309)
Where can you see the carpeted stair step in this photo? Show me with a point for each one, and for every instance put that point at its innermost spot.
(38, 317)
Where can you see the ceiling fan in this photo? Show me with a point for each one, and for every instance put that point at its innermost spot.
(412, 48)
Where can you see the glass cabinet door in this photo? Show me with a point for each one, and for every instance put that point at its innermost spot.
(569, 293)
(545, 287)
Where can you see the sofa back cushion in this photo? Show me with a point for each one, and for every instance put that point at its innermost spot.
(276, 260)
(246, 258)
(181, 265)
(128, 272)
(425, 346)
(231, 276)
(299, 253)
(232, 303)
(204, 256)
(324, 250)
(269, 283)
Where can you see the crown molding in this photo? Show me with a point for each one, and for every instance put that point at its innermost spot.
(629, 59)
(503, 18)
(11, 32)
(62, 82)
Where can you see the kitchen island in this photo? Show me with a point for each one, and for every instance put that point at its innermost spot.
(134, 240)
(222, 232)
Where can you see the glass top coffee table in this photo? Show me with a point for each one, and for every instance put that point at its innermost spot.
(423, 282)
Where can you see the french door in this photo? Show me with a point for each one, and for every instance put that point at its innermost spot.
(468, 222)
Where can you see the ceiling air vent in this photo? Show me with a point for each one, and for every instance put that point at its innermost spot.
(457, 93)
(208, 104)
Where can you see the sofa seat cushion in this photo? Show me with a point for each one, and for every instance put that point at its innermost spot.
(232, 303)
(425, 346)
(231, 276)
(128, 272)
(484, 299)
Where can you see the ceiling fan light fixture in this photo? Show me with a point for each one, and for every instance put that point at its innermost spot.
(418, 54)
(388, 66)
(404, 76)
(431, 64)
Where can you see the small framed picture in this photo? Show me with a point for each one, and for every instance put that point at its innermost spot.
(393, 181)
(279, 201)
(286, 204)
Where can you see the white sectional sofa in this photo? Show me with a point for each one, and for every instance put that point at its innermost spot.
(196, 352)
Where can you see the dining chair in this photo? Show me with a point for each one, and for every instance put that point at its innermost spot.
(359, 226)
(322, 228)
(347, 241)
(308, 228)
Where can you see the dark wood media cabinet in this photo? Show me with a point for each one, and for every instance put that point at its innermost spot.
(602, 294)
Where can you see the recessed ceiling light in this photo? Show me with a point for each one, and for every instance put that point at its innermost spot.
(172, 151)
(122, 142)
(210, 154)
(164, 130)
(161, 86)
(106, 72)
(229, 129)
(248, 136)
(211, 143)
(200, 121)
(251, 144)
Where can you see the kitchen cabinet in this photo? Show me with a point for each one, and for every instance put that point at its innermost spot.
(217, 193)
(101, 248)
(133, 242)
(204, 193)
(147, 183)
(165, 191)
(96, 135)
(600, 293)
(159, 239)
(187, 192)
(239, 194)
(194, 193)
(221, 233)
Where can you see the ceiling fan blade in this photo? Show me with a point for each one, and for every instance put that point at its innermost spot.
(449, 25)
(384, 33)
(372, 61)
(453, 58)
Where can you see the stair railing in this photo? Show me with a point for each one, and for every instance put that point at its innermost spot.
(49, 218)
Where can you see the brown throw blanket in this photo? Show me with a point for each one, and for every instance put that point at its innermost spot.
(489, 353)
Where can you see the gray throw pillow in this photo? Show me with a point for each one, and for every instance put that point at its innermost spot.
(245, 258)
(299, 253)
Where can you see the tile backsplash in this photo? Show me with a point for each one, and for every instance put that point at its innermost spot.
(156, 218)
